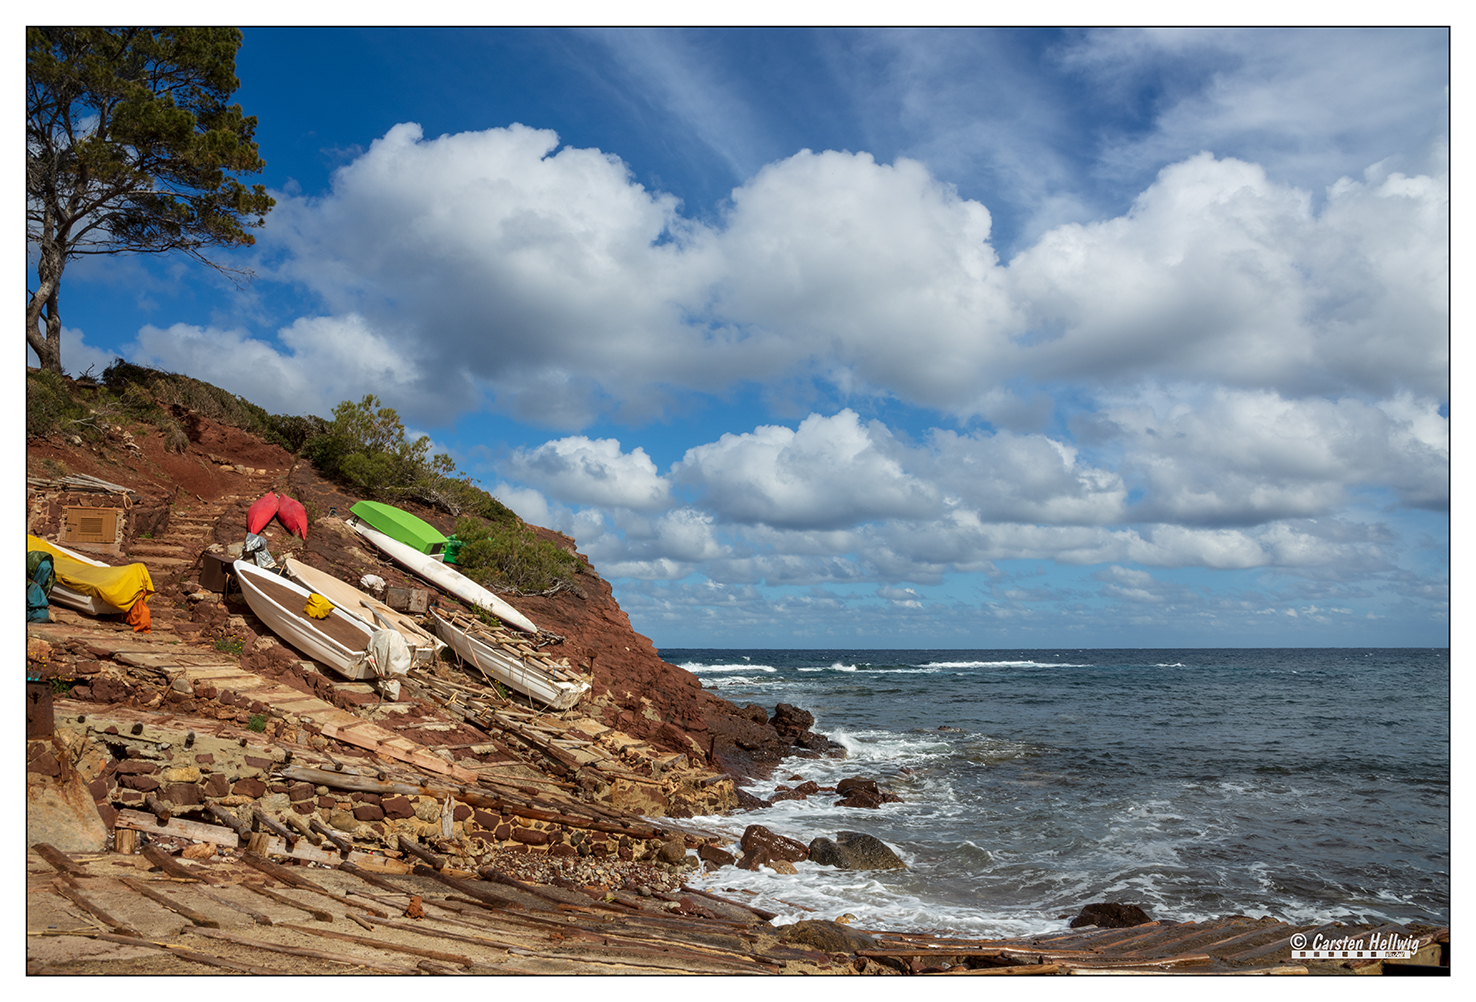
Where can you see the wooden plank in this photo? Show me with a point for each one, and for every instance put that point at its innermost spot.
(168, 902)
(58, 860)
(450, 958)
(317, 913)
(163, 861)
(256, 916)
(336, 958)
(286, 876)
(194, 830)
(208, 959)
(74, 894)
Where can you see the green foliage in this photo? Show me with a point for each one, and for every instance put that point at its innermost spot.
(61, 686)
(257, 722)
(508, 554)
(50, 404)
(130, 145)
(365, 447)
(229, 645)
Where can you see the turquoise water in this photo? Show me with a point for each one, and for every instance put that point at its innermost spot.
(1309, 785)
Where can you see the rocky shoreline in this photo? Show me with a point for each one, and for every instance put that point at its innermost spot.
(194, 790)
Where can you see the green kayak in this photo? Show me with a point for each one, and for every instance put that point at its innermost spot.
(401, 525)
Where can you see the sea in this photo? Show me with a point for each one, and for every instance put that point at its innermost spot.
(1307, 785)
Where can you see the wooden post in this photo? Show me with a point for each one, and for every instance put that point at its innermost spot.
(154, 804)
(231, 821)
(414, 849)
(265, 820)
(344, 845)
(125, 840)
(257, 844)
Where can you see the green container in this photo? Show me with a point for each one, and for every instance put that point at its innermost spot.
(453, 547)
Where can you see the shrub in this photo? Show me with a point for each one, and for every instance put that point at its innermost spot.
(49, 404)
(508, 554)
(257, 722)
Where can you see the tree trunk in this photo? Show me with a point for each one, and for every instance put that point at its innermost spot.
(47, 345)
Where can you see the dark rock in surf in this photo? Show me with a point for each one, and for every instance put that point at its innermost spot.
(855, 851)
(777, 846)
(1111, 915)
(747, 801)
(830, 937)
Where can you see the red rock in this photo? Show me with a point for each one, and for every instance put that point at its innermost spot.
(778, 847)
(369, 812)
(45, 764)
(253, 788)
(396, 808)
(183, 794)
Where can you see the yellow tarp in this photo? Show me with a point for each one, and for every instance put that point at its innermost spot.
(318, 607)
(120, 586)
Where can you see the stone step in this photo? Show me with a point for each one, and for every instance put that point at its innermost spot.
(162, 563)
(155, 547)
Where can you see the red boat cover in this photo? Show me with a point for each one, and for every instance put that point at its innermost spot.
(294, 516)
(261, 512)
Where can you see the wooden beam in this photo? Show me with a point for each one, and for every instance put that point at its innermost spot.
(163, 861)
(195, 831)
(231, 820)
(74, 894)
(336, 958)
(318, 914)
(285, 875)
(170, 903)
(208, 959)
(58, 860)
(450, 958)
(419, 852)
(256, 916)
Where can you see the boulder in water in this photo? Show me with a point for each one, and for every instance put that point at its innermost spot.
(1111, 915)
(830, 937)
(855, 851)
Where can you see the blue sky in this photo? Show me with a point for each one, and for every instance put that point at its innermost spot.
(854, 338)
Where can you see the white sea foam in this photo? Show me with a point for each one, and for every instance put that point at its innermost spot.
(1001, 664)
(697, 667)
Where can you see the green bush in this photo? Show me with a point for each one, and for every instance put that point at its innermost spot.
(508, 554)
(49, 404)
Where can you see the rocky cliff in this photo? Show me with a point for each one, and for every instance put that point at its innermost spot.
(634, 690)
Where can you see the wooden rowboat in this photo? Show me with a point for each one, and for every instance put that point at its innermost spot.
(449, 579)
(338, 641)
(540, 684)
(423, 646)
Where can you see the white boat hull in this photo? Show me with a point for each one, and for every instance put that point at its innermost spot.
(447, 578)
(531, 681)
(423, 646)
(264, 593)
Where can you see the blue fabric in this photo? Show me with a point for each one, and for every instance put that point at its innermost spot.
(38, 587)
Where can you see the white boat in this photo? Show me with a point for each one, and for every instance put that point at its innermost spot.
(444, 577)
(423, 646)
(537, 683)
(338, 640)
